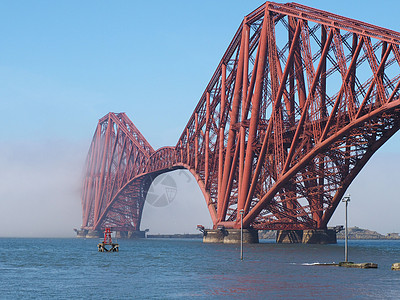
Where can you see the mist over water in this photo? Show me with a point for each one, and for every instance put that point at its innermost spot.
(41, 181)
(40, 188)
(40, 193)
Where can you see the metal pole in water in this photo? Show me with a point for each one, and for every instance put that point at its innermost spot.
(241, 234)
(346, 200)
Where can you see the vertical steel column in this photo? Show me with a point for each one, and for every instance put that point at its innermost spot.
(323, 112)
(187, 147)
(261, 156)
(221, 132)
(181, 150)
(93, 157)
(207, 140)
(291, 112)
(122, 150)
(299, 73)
(196, 141)
(232, 130)
(103, 165)
(242, 134)
(256, 100)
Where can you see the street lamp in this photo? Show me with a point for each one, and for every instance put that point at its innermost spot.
(346, 199)
(241, 233)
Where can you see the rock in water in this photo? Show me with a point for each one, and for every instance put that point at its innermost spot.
(359, 265)
(396, 266)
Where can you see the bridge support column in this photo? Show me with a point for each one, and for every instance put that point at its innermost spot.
(289, 236)
(309, 236)
(230, 236)
(81, 233)
(130, 234)
(94, 234)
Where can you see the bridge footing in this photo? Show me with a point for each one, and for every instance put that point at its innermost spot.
(309, 236)
(95, 234)
(130, 234)
(230, 236)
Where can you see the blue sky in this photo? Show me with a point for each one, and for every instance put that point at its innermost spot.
(65, 64)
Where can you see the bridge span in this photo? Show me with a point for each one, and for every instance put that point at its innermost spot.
(298, 104)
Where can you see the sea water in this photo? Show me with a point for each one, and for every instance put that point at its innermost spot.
(187, 269)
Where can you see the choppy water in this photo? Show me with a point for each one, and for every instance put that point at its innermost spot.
(185, 269)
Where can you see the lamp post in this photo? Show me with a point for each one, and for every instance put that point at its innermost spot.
(346, 199)
(241, 233)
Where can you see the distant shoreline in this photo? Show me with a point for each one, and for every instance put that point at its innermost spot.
(355, 233)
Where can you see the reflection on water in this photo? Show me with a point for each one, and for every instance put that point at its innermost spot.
(48, 268)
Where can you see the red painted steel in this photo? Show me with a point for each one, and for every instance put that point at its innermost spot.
(299, 103)
(107, 236)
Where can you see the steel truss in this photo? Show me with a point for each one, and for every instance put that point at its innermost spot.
(300, 101)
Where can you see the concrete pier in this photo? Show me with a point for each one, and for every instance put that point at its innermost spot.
(130, 234)
(310, 236)
(88, 234)
(230, 236)
(81, 233)
(95, 234)
(289, 236)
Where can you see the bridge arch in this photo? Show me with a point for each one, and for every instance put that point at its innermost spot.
(137, 188)
(175, 204)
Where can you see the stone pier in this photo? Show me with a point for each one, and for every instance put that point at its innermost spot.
(130, 234)
(95, 234)
(230, 236)
(310, 236)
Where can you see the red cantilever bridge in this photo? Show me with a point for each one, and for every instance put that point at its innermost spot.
(299, 103)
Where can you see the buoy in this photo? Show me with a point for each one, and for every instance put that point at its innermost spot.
(107, 245)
